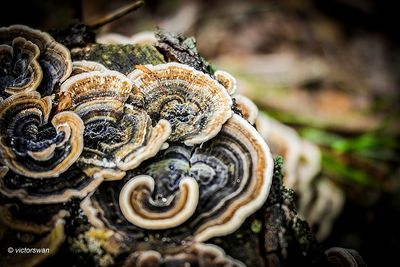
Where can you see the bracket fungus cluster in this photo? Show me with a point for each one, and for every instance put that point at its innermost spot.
(188, 193)
(155, 156)
(141, 166)
(118, 133)
(193, 103)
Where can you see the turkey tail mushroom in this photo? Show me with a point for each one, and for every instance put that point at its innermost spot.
(247, 107)
(227, 81)
(82, 66)
(193, 103)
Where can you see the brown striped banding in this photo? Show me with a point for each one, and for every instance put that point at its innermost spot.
(73, 184)
(82, 66)
(247, 201)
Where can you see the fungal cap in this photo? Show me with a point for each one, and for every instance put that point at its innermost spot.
(183, 207)
(247, 107)
(257, 192)
(195, 104)
(227, 81)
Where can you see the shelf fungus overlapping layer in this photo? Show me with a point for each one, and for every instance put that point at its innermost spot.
(193, 103)
(118, 133)
(73, 184)
(31, 60)
(83, 66)
(188, 193)
(38, 156)
(283, 141)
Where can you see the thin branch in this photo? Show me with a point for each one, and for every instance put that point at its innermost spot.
(116, 15)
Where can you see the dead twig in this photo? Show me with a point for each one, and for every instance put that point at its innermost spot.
(115, 15)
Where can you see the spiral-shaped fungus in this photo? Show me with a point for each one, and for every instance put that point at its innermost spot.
(31, 60)
(20, 71)
(29, 145)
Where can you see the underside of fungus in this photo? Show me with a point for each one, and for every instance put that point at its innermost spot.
(283, 141)
(32, 59)
(193, 103)
(118, 133)
(198, 254)
(186, 192)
